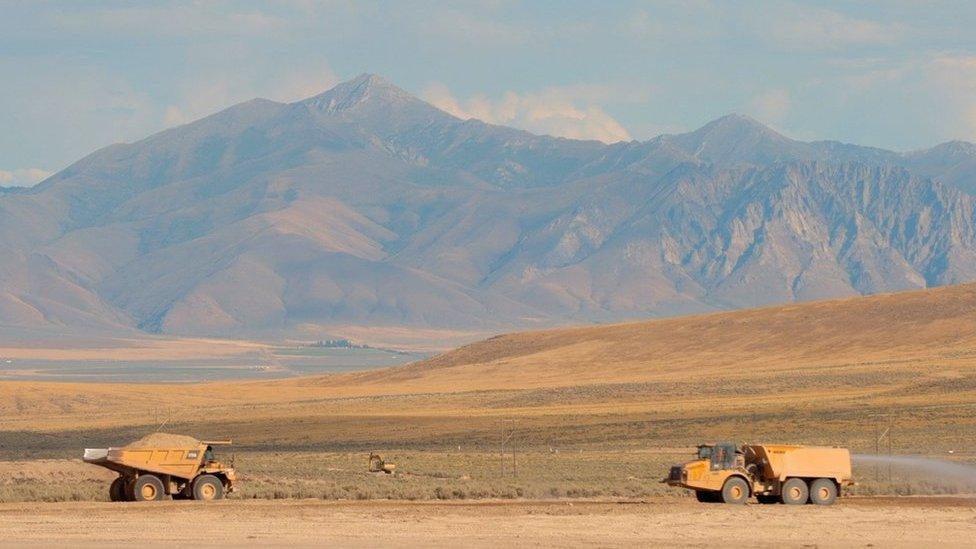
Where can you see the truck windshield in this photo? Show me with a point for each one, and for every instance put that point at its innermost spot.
(723, 456)
(704, 452)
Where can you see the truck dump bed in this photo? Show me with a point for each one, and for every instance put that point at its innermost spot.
(177, 462)
(782, 461)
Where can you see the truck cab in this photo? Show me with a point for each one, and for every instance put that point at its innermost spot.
(707, 474)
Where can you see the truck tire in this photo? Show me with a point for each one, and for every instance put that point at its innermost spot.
(704, 496)
(116, 490)
(823, 491)
(795, 492)
(208, 488)
(148, 488)
(735, 491)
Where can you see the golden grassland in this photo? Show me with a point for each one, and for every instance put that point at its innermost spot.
(832, 372)
(431, 475)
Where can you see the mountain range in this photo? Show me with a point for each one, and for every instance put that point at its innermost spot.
(366, 206)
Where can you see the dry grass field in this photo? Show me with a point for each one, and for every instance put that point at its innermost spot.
(432, 475)
(596, 411)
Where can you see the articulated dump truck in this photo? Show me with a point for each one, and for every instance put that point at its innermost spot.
(773, 473)
(183, 469)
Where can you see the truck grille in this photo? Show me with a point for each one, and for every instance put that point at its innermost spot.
(675, 473)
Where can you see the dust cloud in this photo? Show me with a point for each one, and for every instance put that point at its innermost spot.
(948, 472)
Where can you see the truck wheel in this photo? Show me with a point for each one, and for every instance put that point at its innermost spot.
(735, 491)
(116, 490)
(767, 499)
(823, 491)
(705, 496)
(148, 488)
(795, 492)
(208, 488)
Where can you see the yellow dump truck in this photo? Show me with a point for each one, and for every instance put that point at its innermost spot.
(151, 473)
(773, 473)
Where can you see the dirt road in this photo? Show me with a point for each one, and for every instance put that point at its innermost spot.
(904, 522)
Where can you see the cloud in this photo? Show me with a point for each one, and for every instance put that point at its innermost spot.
(775, 24)
(58, 110)
(676, 21)
(797, 27)
(204, 96)
(951, 79)
(955, 67)
(300, 84)
(554, 111)
(482, 30)
(205, 19)
(492, 25)
(441, 97)
(771, 106)
(200, 99)
(26, 177)
(913, 100)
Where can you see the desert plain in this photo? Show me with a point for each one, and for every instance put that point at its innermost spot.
(671, 522)
(537, 438)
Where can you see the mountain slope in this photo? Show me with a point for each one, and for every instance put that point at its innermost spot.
(366, 206)
(930, 332)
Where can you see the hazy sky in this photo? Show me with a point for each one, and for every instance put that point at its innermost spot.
(900, 75)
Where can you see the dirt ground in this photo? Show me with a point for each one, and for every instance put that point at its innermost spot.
(855, 522)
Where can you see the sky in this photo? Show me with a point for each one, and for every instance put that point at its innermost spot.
(76, 76)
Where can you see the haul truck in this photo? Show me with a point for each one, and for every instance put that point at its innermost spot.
(147, 474)
(772, 473)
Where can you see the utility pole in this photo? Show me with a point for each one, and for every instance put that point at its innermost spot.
(514, 452)
(886, 436)
(877, 450)
(891, 422)
(511, 437)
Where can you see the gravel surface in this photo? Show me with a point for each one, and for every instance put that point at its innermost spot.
(855, 522)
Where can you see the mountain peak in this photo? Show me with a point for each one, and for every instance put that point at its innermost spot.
(367, 82)
(736, 138)
(954, 148)
(365, 88)
(738, 125)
